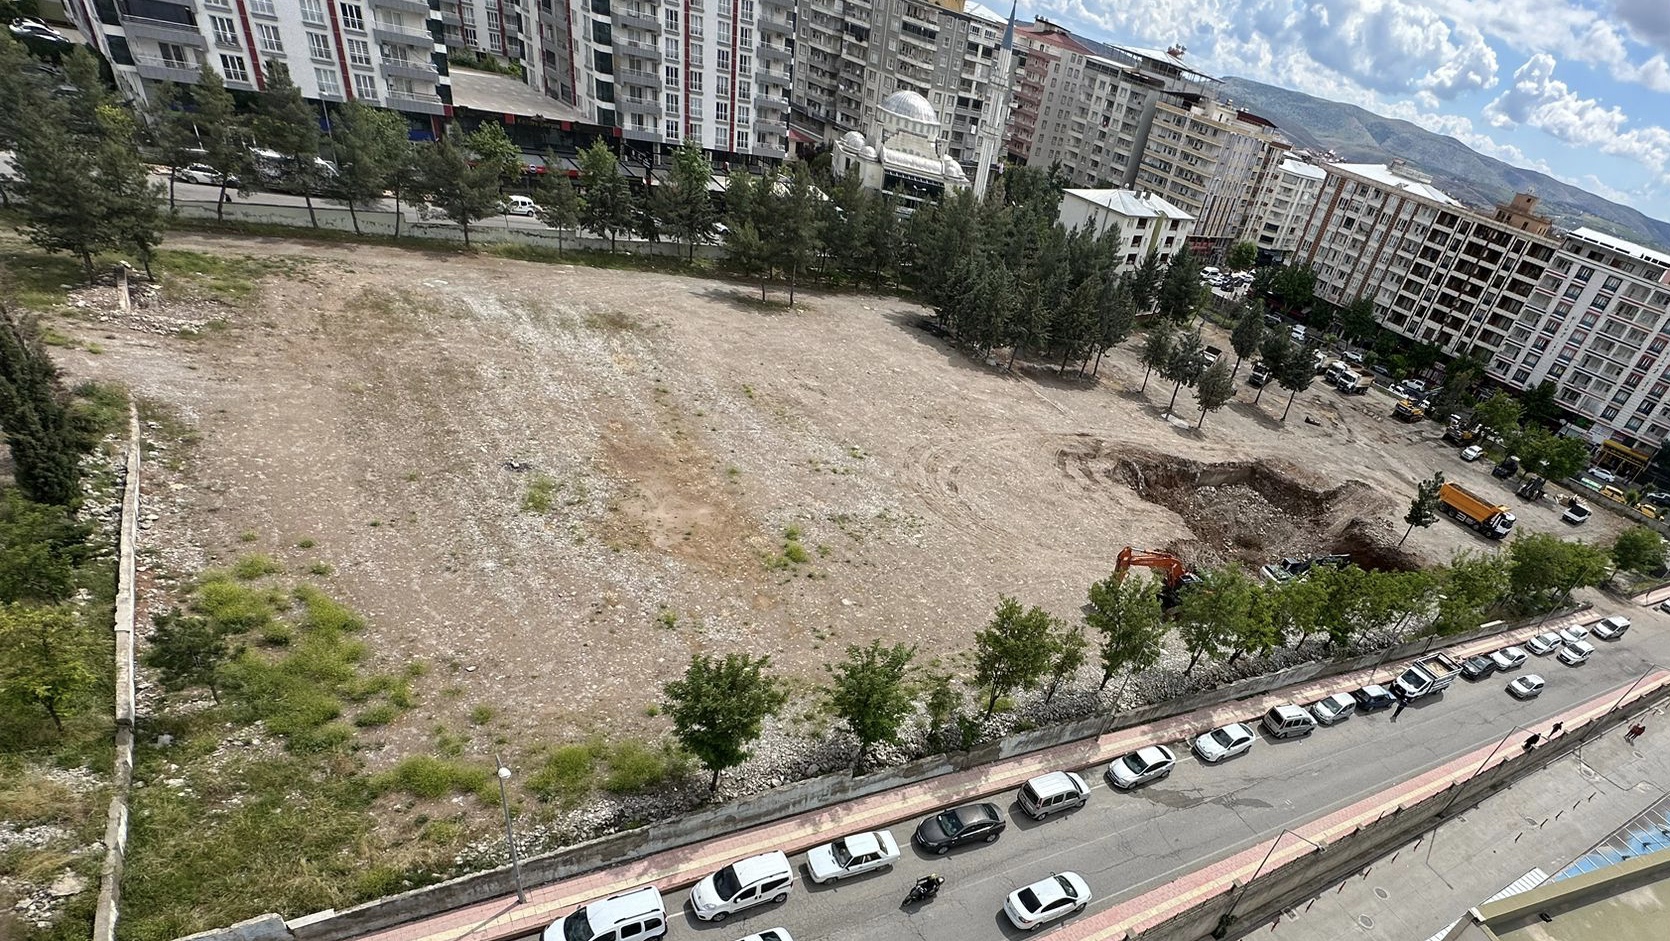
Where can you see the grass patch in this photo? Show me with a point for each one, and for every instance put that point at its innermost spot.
(229, 279)
(323, 613)
(483, 714)
(248, 535)
(379, 715)
(100, 409)
(320, 569)
(255, 565)
(306, 544)
(233, 608)
(792, 554)
(541, 490)
(430, 778)
(567, 774)
(443, 832)
(38, 279)
(635, 767)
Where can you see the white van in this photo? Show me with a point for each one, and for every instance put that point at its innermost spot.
(519, 206)
(634, 915)
(743, 884)
(1052, 793)
(1288, 721)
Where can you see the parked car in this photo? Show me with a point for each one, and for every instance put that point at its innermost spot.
(1576, 652)
(203, 174)
(852, 856)
(1288, 721)
(1052, 793)
(1333, 709)
(1575, 632)
(1614, 627)
(1141, 766)
(1297, 333)
(1472, 453)
(634, 915)
(959, 825)
(1545, 643)
(1227, 742)
(520, 205)
(743, 885)
(1272, 319)
(1577, 514)
(1046, 900)
(1508, 658)
(1477, 668)
(1604, 476)
(770, 934)
(1528, 686)
(1373, 697)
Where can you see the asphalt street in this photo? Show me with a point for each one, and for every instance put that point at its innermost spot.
(1126, 843)
(193, 192)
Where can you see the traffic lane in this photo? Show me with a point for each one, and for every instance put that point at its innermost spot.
(199, 192)
(1126, 843)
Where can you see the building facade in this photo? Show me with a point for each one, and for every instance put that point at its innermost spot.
(1437, 272)
(385, 52)
(1146, 221)
(903, 155)
(1210, 159)
(1281, 208)
(1597, 325)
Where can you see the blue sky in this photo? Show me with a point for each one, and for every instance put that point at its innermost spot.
(1579, 89)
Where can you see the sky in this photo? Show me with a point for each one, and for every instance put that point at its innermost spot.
(1578, 89)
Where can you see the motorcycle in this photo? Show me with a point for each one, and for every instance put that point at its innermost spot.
(924, 890)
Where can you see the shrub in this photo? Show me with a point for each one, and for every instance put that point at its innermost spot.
(232, 607)
(537, 499)
(432, 778)
(481, 715)
(378, 715)
(323, 613)
(635, 767)
(255, 565)
(566, 775)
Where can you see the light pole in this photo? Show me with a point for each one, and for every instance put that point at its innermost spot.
(510, 834)
(1476, 771)
(1631, 689)
(1224, 922)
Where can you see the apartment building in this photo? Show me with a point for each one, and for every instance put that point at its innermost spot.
(380, 51)
(1281, 208)
(1438, 272)
(851, 55)
(1597, 324)
(1146, 221)
(1211, 159)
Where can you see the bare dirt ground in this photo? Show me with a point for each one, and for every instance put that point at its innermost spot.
(395, 407)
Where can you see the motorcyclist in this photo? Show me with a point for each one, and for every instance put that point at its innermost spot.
(928, 885)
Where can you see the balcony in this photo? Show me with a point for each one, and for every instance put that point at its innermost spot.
(789, 4)
(781, 25)
(419, 101)
(768, 102)
(416, 8)
(166, 70)
(402, 35)
(643, 49)
(184, 34)
(638, 77)
(770, 53)
(401, 68)
(637, 105)
(766, 125)
(637, 19)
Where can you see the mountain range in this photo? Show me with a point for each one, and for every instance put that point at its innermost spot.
(1359, 136)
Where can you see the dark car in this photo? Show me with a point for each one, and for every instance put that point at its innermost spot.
(1477, 668)
(959, 825)
(1373, 697)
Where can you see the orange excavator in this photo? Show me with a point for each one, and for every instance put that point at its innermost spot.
(1173, 573)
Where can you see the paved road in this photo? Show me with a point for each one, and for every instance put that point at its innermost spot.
(1127, 843)
(198, 193)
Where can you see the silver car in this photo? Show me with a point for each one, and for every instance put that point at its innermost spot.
(1141, 766)
(1545, 643)
(1335, 708)
(1508, 658)
(1227, 742)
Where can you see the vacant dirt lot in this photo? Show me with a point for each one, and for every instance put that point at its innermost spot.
(393, 411)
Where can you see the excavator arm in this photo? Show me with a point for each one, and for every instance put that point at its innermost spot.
(1171, 566)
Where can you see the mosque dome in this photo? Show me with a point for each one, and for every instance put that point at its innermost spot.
(910, 106)
(853, 141)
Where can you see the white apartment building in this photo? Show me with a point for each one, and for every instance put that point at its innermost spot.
(1209, 158)
(1146, 221)
(380, 51)
(1281, 208)
(1437, 272)
(1597, 325)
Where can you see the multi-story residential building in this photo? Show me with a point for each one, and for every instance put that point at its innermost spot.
(1146, 221)
(1209, 158)
(1437, 272)
(380, 51)
(1597, 325)
(1281, 208)
(851, 55)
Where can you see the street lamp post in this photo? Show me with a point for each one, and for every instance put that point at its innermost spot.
(1229, 916)
(1630, 690)
(510, 834)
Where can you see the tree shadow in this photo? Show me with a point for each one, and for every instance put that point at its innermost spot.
(1256, 413)
(926, 331)
(749, 301)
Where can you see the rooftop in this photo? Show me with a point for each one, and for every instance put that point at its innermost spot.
(492, 93)
(1621, 246)
(1131, 203)
(1385, 176)
(1301, 168)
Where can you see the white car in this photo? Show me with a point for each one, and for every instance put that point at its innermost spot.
(1604, 476)
(1042, 902)
(203, 174)
(1545, 643)
(1472, 453)
(770, 934)
(1227, 742)
(1508, 658)
(1613, 627)
(1335, 708)
(1141, 766)
(1576, 652)
(851, 856)
(741, 885)
(1528, 686)
(1573, 633)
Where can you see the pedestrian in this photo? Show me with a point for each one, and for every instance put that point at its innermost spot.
(1634, 732)
(1531, 742)
(1556, 729)
(1402, 704)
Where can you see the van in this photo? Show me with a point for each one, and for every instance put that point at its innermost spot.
(1052, 793)
(1612, 493)
(519, 205)
(634, 915)
(1288, 721)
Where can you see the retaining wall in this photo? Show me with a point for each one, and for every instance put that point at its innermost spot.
(814, 793)
(116, 819)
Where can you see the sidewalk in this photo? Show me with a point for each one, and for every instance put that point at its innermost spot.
(503, 918)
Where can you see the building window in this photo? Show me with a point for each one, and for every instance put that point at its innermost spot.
(226, 31)
(722, 112)
(672, 19)
(313, 12)
(319, 46)
(669, 102)
(672, 129)
(175, 56)
(744, 115)
(672, 48)
(365, 86)
(359, 53)
(695, 88)
(671, 80)
(268, 39)
(234, 69)
(744, 64)
(262, 8)
(696, 28)
(694, 131)
(494, 43)
(329, 83)
(353, 16)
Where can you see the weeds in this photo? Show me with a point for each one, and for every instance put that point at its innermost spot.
(430, 778)
(483, 714)
(538, 498)
(255, 565)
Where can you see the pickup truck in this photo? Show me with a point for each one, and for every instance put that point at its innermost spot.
(1261, 374)
(1426, 676)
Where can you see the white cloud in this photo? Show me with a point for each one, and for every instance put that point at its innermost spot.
(1537, 99)
(1649, 20)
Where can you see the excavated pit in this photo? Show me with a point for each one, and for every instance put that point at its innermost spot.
(1251, 512)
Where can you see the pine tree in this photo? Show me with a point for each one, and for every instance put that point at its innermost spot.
(63, 203)
(464, 194)
(1179, 295)
(495, 153)
(1274, 352)
(1185, 364)
(35, 414)
(285, 124)
(795, 231)
(1116, 315)
(1295, 375)
(221, 133)
(133, 215)
(1423, 510)
(1156, 351)
(1215, 389)
(882, 238)
(1075, 327)
(1246, 337)
(1145, 282)
(170, 132)
(558, 204)
(689, 209)
(370, 144)
(607, 208)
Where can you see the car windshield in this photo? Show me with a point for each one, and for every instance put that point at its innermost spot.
(1135, 763)
(1066, 887)
(951, 823)
(1222, 737)
(842, 855)
(577, 927)
(725, 883)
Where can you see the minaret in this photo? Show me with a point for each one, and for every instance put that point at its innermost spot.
(997, 115)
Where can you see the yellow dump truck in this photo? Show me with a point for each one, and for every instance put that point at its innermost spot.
(1465, 506)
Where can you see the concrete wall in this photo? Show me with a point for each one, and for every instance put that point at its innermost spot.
(116, 819)
(811, 794)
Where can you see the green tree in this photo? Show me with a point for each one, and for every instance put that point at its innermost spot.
(1275, 350)
(1214, 390)
(558, 205)
(1145, 281)
(1298, 609)
(1295, 376)
(1541, 403)
(170, 132)
(133, 218)
(882, 238)
(370, 143)
(1246, 337)
(188, 651)
(1185, 364)
(690, 211)
(21, 88)
(1242, 255)
(287, 125)
(1179, 295)
(34, 411)
(64, 201)
(1499, 415)
(1212, 613)
(40, 547)
(607, 208)
(1469, 588)
(1157, 349)
(1257, 631)
(1075, 325)
(794, 231)
(1294, 286)
(1126, 614)
(495, 153)
(1013, 650)
(464, 194)
(1544, 569)
(1638, 549)
(872, 694)
(221, 132)
(1066, 658)
(1423, 510)
(1116, 315)
(48, 658)
(1357, 320)
(718, 707)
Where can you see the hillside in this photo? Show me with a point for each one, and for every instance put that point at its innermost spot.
(1359, 136)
